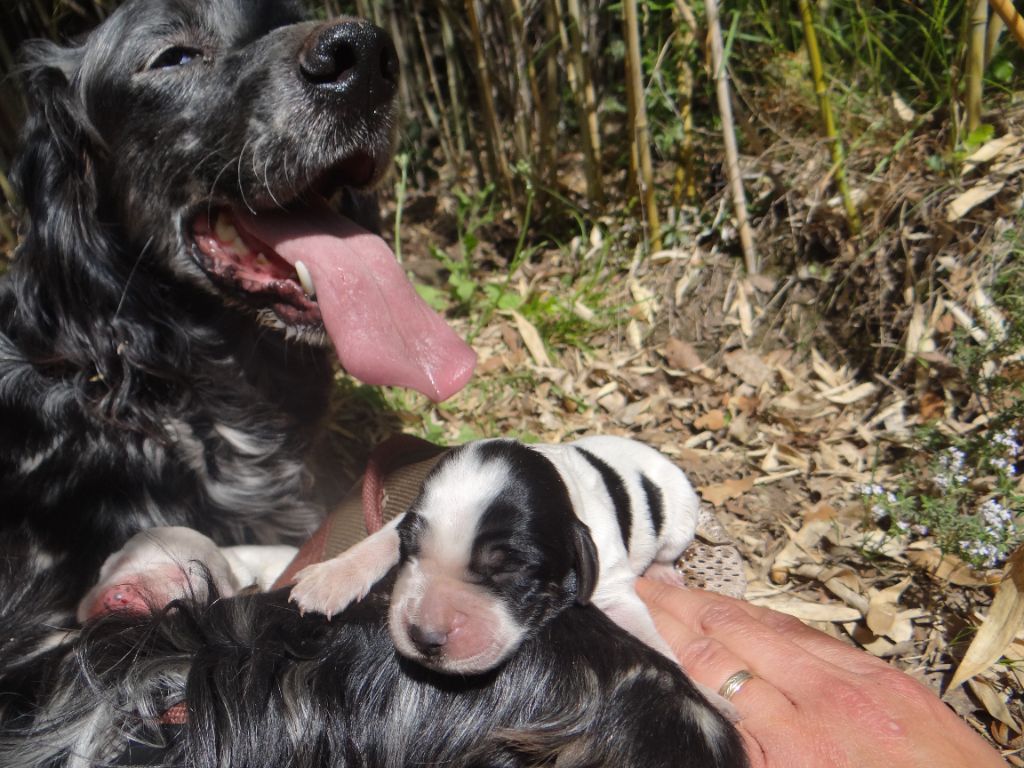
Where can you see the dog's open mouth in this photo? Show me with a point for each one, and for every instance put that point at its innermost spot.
(312, 266)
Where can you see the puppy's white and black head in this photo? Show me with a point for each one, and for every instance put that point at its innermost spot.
(490, 551)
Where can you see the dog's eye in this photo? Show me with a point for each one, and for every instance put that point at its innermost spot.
(495, 560)
(175, 56)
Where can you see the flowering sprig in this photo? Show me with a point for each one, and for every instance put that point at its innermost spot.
(968, 500)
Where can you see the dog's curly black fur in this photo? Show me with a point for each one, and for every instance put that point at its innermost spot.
(266, 688)
(136, 387)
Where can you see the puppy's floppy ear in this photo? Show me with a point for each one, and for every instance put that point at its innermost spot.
(586, 562)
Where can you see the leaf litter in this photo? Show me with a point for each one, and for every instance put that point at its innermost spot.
(757, 388)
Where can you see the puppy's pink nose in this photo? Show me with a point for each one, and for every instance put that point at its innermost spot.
(121, 597)
(429, 642)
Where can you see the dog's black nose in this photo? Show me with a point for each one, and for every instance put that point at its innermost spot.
(353, 59)
(429, 642)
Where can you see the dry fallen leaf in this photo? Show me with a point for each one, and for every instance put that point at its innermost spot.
(973, 197)
(748, 367)
(994, 704)
(682, 356)
(532, 340)
(712, 420)
(722, 492)
(1003, 622)
(884, 610)
(944, 567)
(808, 611)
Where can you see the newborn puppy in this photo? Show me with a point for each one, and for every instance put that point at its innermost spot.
(159, 565)
(504, 536)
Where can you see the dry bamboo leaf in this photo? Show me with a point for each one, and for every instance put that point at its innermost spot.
(532, 340)
(682, 355)
(748, 367)
(850, 396)
(943, 567)
(989, 314)
(722, 492)
(883, 610)
(965, 321)
(1000, 626)
(808, 611)
(713, 420)
(634, 335)
(826, 372)
(646, 303)
(743, 309)
(915, 333)
(963, 203)
(902, 109)
(994, 704)
(991, 150)
(876, 645)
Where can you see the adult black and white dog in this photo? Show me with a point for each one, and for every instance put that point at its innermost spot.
(163, 328)
(503, 533)
(247, 683)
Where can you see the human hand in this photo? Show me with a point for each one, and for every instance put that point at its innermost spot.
(813, 702)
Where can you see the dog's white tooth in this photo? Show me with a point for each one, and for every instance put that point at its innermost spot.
(225, 231)
(305, 278)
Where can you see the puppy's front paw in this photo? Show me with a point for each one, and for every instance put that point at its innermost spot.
(329, 587)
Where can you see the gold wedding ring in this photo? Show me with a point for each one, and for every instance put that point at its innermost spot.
(733, 683)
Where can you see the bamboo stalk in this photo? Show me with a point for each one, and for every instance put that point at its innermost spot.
(996, 27)
(641, 133)
(513, 18)
(492, 133)
(404, 94)
(549, 110)
(732, 164)
(1012, 19)
(455, 86)
(578, 73)
(438, 116)
(364, 10)
(975, 62)
(825, 107)
(684, 188)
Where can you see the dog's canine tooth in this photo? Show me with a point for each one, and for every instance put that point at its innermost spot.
(305, 278)
(225, 231)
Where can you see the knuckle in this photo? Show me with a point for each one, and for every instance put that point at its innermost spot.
(703, 653)
(718, 617)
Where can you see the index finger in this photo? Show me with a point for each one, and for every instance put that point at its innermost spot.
(687, 605)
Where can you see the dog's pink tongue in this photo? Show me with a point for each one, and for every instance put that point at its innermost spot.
(383, 331)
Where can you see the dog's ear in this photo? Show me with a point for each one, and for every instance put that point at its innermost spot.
(586, 562)
(54, 174)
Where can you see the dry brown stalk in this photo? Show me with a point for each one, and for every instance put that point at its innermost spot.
(585, 100)
(732, 163)
(438, 117)
(638, 120)
(549, 104)
(456, 90)
(1012, 19)
(492, 133)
